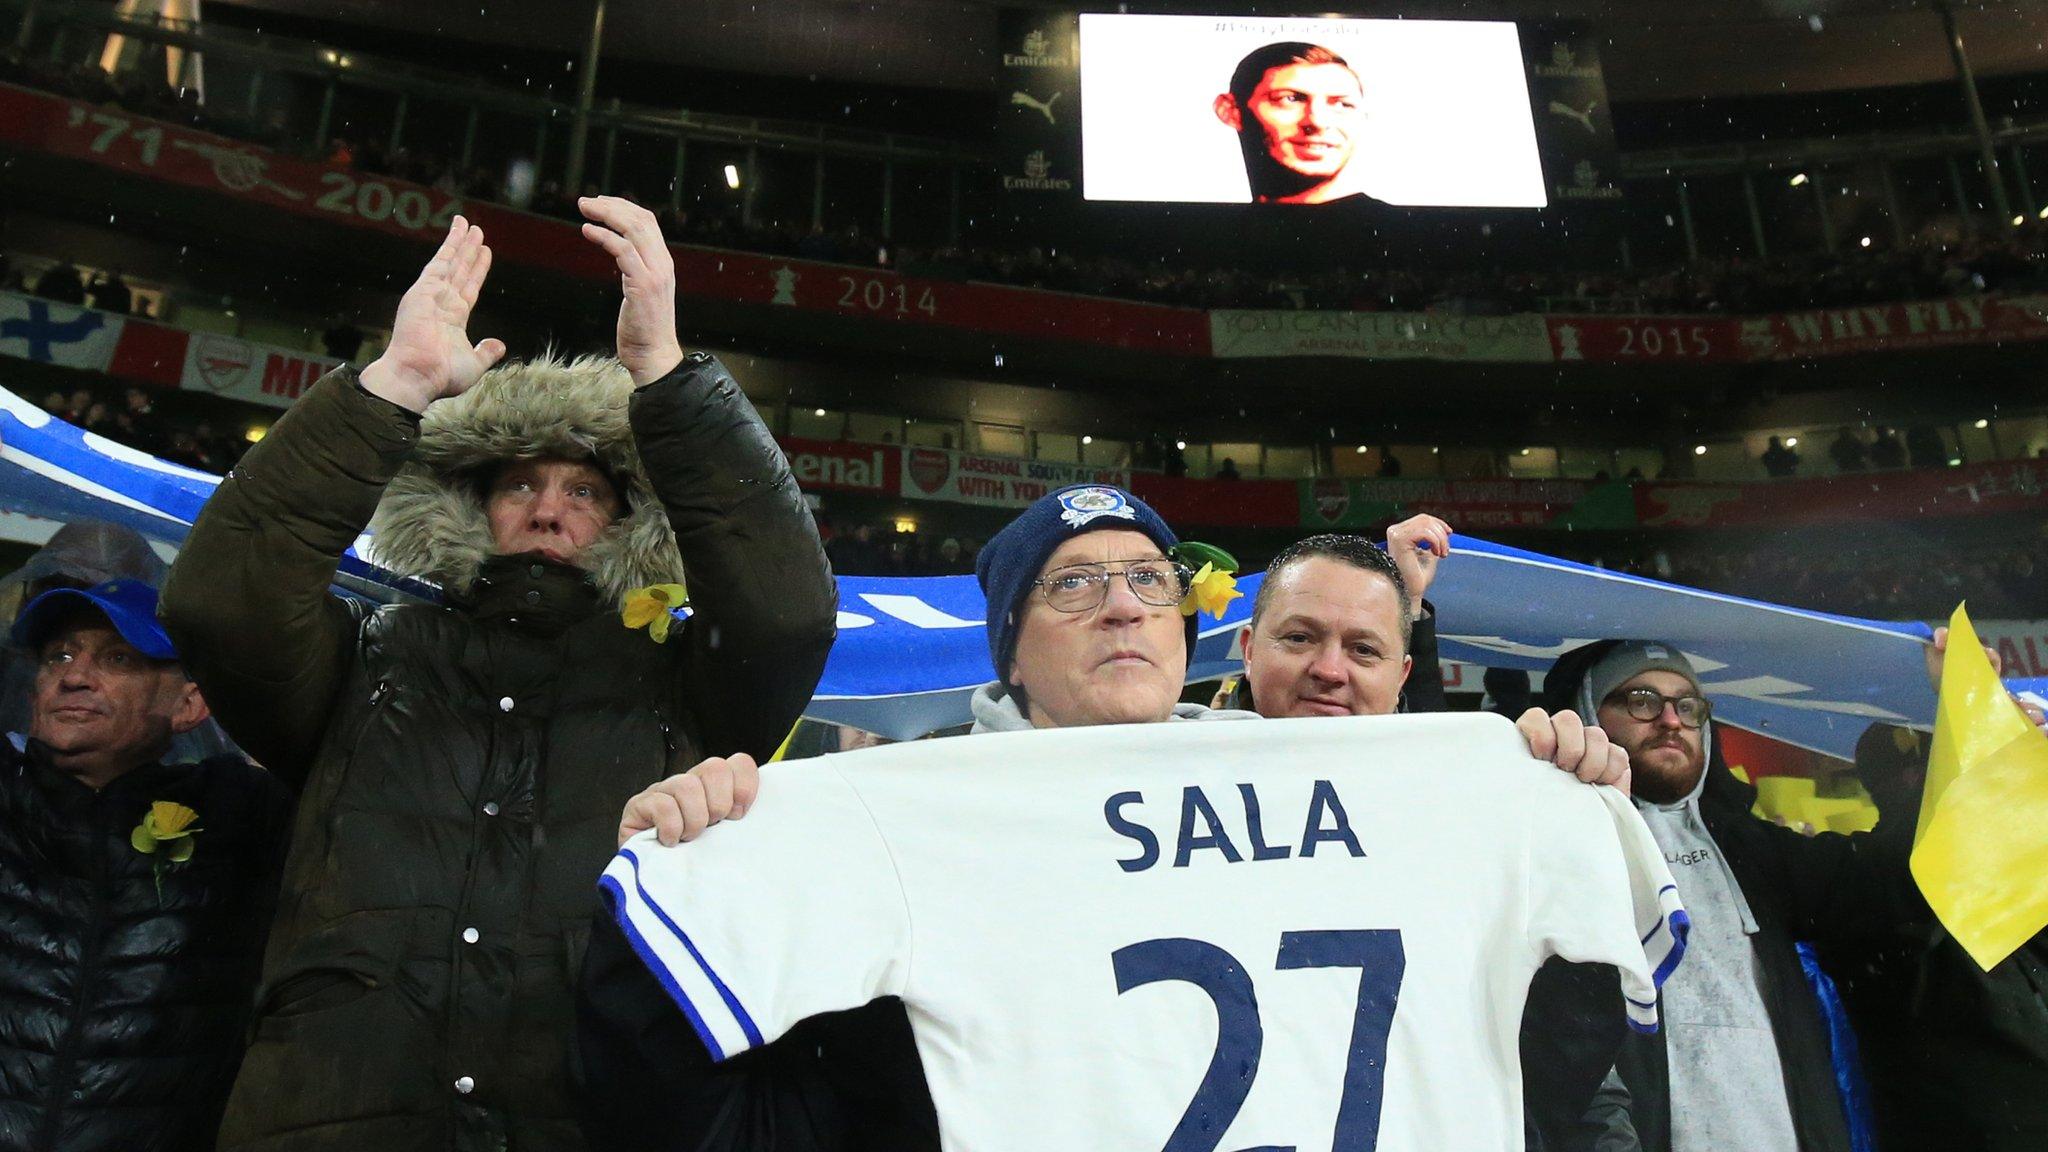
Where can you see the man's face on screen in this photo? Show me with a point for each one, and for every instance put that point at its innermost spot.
(1307, 117)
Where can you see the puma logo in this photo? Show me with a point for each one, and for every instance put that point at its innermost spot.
(1585, 119)
(1026, 100)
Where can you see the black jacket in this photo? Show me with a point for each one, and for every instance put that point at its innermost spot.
(125, 992)
(1800, 888)
(464, 765)
(1956, 1057)
(841, 1082)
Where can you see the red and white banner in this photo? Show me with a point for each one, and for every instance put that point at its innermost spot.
(2022, 645)
(155, 354)
(1800, 335)
(159, 151)
(842, 466)
(994, 481)
(1378, 336)
(156, 150)
(1901, 327)
(1646, 339)
(244, 370)
(1979, 489)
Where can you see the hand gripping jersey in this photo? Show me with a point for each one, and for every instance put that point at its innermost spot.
(1267, 935)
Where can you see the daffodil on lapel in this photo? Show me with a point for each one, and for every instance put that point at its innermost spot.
(167, 827)
(653, 608)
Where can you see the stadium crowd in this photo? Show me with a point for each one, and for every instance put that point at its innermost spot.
(1921, 580)
(1995, 260)
(134, 419)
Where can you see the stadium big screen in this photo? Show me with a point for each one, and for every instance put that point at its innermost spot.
(1440, 135)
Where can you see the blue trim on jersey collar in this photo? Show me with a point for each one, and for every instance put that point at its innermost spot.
(732, 1002)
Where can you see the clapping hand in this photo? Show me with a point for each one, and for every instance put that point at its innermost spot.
(647, 275)
(430, 356)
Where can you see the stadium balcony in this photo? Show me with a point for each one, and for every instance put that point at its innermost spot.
(88, 175)
(333, 191)
(797, 190)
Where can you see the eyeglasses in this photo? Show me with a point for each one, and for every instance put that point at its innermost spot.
(1647, 704)
(1083, 587)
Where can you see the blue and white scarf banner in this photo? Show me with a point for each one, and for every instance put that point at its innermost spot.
(912, 650)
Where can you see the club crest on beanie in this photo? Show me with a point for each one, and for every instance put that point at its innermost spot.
(1082, 506)
(1009, 562)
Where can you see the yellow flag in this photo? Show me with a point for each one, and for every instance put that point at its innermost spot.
(1980, 852)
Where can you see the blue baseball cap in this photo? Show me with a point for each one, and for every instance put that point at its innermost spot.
(129, 605)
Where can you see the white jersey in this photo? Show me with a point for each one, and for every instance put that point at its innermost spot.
(1284, 934)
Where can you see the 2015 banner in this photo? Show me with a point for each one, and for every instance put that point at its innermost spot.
(1899, 327)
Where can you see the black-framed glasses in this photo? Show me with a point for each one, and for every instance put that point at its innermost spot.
(1646, 704)
(1083, 587)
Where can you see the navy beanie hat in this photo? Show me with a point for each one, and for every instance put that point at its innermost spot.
(1010, 561)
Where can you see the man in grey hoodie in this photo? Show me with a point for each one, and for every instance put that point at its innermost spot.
(1743, 1060)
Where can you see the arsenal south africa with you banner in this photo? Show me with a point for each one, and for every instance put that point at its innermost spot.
(994, 481)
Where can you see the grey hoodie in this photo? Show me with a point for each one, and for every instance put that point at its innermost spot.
(995, 710)
(1727, 1082)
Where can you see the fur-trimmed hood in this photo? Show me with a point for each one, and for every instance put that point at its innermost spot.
(431, 523)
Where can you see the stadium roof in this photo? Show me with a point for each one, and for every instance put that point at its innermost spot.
(1658, 49)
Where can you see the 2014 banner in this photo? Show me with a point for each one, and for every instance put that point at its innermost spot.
(154, 150)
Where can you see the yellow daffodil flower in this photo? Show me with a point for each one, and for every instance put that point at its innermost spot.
(1210, 591)
(168, 826)
(652, 608)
